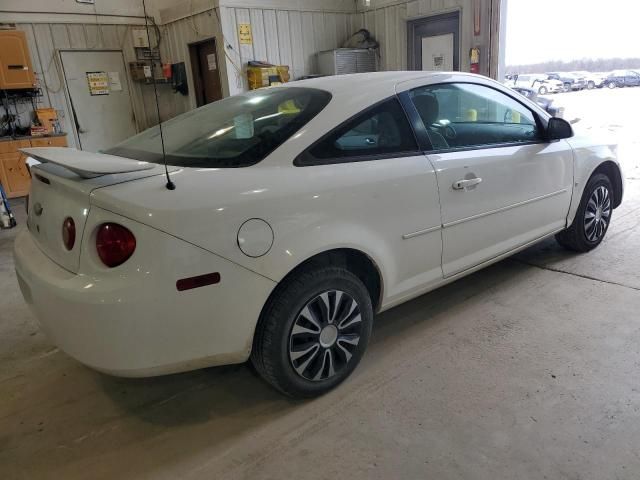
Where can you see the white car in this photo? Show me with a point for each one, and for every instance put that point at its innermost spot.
(298, 212)
(539, 83)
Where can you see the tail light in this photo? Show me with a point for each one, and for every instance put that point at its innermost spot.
(115, 244)
(69, 233)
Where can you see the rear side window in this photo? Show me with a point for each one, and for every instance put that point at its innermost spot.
(382, 131)
(235, 132)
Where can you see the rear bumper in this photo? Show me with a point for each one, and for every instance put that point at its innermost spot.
(133, 322)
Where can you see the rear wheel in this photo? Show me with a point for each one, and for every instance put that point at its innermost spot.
(592, 218)
(612, 85)
(591, 85)
(313, 332)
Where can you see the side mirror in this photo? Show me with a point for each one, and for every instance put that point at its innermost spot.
(558, 128)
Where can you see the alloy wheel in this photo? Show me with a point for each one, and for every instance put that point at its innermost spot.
(325, 335)
(597, 214)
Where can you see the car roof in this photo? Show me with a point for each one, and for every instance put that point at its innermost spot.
(374, 82)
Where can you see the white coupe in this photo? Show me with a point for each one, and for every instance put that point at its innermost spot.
(298, 212)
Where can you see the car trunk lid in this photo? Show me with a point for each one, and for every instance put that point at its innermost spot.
(61, 187)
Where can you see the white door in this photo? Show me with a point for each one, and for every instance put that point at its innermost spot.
(99, 95)
(501, 186)
(437, 52)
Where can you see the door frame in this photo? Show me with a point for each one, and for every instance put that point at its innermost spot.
(414, 23)
(195, 65)
(70, 109)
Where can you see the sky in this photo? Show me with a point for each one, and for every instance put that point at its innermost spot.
(542, 30)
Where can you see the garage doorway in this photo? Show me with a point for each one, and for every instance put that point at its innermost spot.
(99, 98)
(434, 42)
(206, 73)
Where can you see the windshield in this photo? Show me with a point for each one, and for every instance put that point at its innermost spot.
(235, 132)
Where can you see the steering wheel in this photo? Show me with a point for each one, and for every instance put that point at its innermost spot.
(447, 131)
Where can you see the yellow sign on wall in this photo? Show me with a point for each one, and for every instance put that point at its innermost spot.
(244, 32)
(98, 83)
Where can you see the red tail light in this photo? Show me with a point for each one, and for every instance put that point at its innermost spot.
(69, 233)
(115, 244)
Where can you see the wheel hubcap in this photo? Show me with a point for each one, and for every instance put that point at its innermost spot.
(325, 335)
(597, 214)
(328, 336)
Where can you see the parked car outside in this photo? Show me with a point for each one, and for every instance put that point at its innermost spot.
(545, 102)
(594, 80)
(570, 81)
(622, 78)
(538, 82)
(294, 214)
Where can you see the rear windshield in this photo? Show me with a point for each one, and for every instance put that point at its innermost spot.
(235, 132)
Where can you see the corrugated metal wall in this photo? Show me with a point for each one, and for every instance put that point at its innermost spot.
(282, 36)
(45, 39)
(389, 25)
(293, 37)
(174, 48)
(287, 37)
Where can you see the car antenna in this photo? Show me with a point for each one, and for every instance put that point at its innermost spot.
(170, 185)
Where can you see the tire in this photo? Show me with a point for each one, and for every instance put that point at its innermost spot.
(612, 85)
(591, 85)
(584, 234)
(542, 90)
(567, 87)
(303, 303)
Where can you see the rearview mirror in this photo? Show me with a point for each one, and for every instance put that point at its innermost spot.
(558, 128)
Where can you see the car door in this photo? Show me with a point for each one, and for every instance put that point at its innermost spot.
(501, 185)
(376, 181)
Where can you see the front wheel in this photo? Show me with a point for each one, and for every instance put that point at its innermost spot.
(542, 90)
(611, 85)
(313, 331)
(591, 85)
(592, 218)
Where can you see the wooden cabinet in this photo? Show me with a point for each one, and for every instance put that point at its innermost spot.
(14, 170)
(14, 175)
(16, 70)
(49, 142)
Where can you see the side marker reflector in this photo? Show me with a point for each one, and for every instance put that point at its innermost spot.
(197, 282)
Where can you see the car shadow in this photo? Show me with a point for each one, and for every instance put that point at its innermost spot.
(234, 393)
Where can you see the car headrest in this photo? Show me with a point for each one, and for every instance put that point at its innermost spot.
(428, 108)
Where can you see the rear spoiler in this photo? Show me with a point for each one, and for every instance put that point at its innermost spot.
(85, 164)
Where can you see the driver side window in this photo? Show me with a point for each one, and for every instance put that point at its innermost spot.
(459, 115)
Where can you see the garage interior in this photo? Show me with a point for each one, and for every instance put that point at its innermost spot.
(526, 369)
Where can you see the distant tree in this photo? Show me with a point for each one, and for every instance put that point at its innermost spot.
(584, 64)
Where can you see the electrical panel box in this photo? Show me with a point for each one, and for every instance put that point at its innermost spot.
(347, 60)
(16, 70)
(140, 38)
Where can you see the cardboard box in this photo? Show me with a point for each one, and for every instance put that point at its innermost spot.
(47, 118)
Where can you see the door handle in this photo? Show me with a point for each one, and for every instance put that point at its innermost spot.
(462, 184)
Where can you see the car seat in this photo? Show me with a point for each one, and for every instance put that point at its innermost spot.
(429, 109)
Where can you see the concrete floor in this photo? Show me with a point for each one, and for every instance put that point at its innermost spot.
(528, 369)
